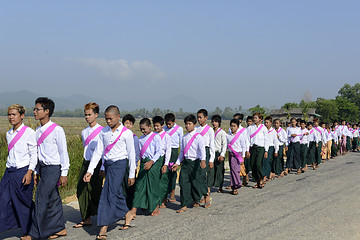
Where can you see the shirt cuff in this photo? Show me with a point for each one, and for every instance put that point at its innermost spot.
(64, 173)
(32, 167)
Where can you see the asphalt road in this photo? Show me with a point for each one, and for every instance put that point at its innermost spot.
(321, 204)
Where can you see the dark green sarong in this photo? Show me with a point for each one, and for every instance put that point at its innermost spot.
(209, 172)
(88, 194)
(147, 189)
(303, 155)
(311, 153)
(164, 180)
(267, 162)
(318, 153)
(334, 149)
(355, 143)
(192, 182)
(219, 170)
(278, 162)
(256, 160)
(172, 175)
(348, 143)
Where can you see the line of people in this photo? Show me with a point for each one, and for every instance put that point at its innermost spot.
(141, 172)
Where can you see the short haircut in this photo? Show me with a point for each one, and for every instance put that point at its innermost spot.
(322, 123)
(293, 119)
(298, 120)
(236, 121)
(239, 116)
(316, 120)
(216, 118)
(309, 123)
(277, 120)
(335, 121)
(18, 107)
(251, 118)
(113, 109)
(190, 118)
(92, 106)
(158, 119)
(203, 111)
(259, 115)
(46, 103)
(145, 121)
(128, 117)
(303, 121)
(268, 118)
(169, 117)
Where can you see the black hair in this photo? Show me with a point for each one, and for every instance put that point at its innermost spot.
(269, 118)
(239, 116)
(46, 103)
(128, 117)
(335, 121)
(113, 109)
(321, 123)
(216, 118)
(169, 117)
(291, 119)
(145, 121)
(236, 121)
(190, 118)
(298, 120)
(158, 119)
(203, 111)
(309, 123)
(250, 118)
(303, 121)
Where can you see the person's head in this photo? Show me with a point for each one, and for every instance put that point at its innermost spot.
(202, 116)
(316, 122)
(158, 123)
(343, 122)
(239, 116)
(298, 121)
(277, 123)
(44, 108)
(250, 120)
(322, 124)
(293, 122)
(128, 120)
(112, 116)
(169, 120)
(145, 126)
(234, 125)
(333, 128)
(258, 117)
(216, 121)
(190, 122)
(355, 126)
(16, 114)
(91, 112)
(327, 127)
(268, 122)
(335, 123)
(309, 125)
(302, 124)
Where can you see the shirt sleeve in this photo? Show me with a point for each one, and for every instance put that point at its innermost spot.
(137, 149)
(32, 150)
(201, 147)
(223, 144)
(276, 143)
(130, 148)
(62, 146)
(158, 148)
(167, 149)
(97, 154)
(181, 135)
(212, 145)
(267, 139)
(181, 154)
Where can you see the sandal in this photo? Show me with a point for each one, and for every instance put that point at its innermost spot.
(172, 199)
(208, 204)
(125, 227)
(82, 224)
(101, 237)
(162, 206)
(55, 236)
(235, 192)
(181, 210)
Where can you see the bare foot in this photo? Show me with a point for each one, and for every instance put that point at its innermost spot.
(62, 233)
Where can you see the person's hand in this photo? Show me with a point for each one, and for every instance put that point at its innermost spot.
(221, 158)
(87, 177)
(276, 154)
(131, 181)
(286, 149)
(174, 167)
(265, 154)
(211, 165)
(102, 174)
(317, 145)
(148, 164)
(203, 164)
(36, 179)
(294, 135)
(247, 154)
(164, 169)
(27, 177)
(63, 181)
(307, 133)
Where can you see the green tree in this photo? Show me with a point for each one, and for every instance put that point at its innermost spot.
(351, 93)
(228, 113)
(289, 106)
(256, 109)
(348, 111)
(328, 109)
(217, 111)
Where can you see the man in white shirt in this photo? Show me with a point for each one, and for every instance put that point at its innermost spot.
(48, 220)
(16, 186)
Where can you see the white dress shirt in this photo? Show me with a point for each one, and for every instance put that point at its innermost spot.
(335, 136)
(123, 149)
(313, 137)
(176, 138)
(53, 150)
(261, 139)
(293, 130)
(137, 148)
(24, 152)
(209, 140)
(273, 140)
(155, 149)
(319, 131)
(281, 135)
(196, 150)
(240, 145)
(220, 142)
(304, 139)
(89, 149)
(166, 141)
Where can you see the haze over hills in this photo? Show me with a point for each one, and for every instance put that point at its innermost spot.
(77, 101)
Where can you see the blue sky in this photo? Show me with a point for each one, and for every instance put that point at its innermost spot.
(222, 53)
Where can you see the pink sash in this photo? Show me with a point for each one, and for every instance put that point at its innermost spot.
(134, 135)
(188, 145)
(46, 133)
(279, 130)
(205, 130)
(17, 137)
(256, 132)
(317, 129)
(110, 146)
(174, 130)
(270, 131)
(146, 145)
(162, 135)
(237, 155)
(216, 133)
(93, 135)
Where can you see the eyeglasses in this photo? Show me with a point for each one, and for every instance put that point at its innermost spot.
(38, 109)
